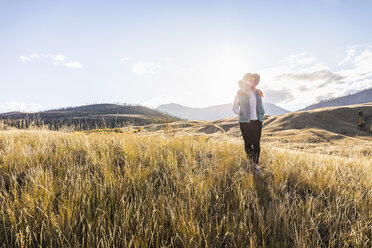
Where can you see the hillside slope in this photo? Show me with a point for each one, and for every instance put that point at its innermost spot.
(336, 120)
(332, 130)
(96, 114)
(364, 96)
(94, 109)
(340, 120)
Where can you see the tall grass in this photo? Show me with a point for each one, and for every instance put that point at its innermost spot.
(119, 190)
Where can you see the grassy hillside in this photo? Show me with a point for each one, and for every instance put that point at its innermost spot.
(327, 130)
(340, 120)
(337, 122)
(88, 117)
(127, 190)
(364, 96)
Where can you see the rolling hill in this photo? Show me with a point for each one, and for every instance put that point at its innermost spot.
(96, 115)
(364, 96)
(321, 125)
(336, 120)
(342, 120)
(332, 130)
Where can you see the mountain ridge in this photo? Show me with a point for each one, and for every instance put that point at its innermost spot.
(94, 115)
(214, 112)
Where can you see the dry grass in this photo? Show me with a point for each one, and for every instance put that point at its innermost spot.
(320, 141)
(125, 190)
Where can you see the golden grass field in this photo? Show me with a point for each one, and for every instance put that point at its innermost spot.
(132, 188)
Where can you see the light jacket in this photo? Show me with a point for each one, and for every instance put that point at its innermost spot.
(242, 107)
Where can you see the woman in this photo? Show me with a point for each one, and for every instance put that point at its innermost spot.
(248, 105)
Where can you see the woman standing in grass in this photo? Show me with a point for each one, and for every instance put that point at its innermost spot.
(248, 105)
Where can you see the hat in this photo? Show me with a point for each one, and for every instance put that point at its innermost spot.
(245, 80)
(248, 76)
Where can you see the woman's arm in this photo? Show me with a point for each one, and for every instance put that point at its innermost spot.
(236, 105)
(260, 92)
(262, 95)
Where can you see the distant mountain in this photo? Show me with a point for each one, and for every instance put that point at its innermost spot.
(212, 112)
(96, 115)
(364, 96)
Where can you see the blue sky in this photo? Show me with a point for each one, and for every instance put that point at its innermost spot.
(68, 53)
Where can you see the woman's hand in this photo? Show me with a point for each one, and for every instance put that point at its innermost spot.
(260, 92)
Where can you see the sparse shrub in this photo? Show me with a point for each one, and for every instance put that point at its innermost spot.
(169, 130)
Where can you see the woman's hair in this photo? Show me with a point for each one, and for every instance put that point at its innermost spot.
(256, 78)
(242, 83)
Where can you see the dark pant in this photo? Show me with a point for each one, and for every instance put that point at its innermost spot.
(251, 132)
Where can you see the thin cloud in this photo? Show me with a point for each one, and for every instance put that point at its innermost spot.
(125, 59)
(24, 58)
(34, 56)
(365, 55)
(350, 53)
(300, 59)
(59, 57)
(146, 67)
(303, 88)
(361, 66)
(327, 76)
(317, 81)
(74, 64)
(278, 96)
(56, 59)
(29, 58)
